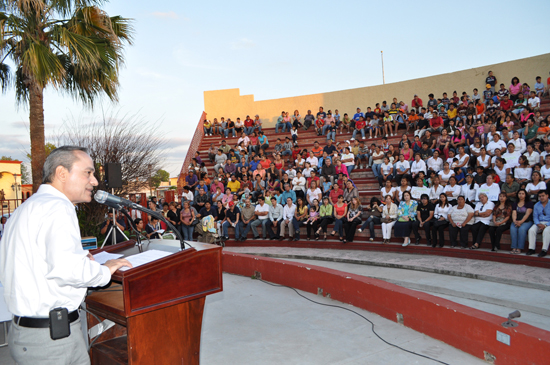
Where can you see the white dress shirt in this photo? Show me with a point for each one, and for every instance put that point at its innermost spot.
(455, 191)
(416, 167)
(288, 212)
(435, 193)
(520, 144)
(470, 193)
(42, 263)
(436, 165)
(533, 158)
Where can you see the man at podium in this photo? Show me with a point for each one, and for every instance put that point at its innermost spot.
(43, 268)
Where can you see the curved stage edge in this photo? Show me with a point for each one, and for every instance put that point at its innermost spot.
(465, 328)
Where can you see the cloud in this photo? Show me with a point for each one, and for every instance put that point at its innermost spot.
(165, 15)
(20, 124)
(243, 43)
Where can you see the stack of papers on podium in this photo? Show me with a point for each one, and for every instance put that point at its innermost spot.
(144, 258)
(103, 257)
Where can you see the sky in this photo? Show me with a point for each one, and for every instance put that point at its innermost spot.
(276, 49)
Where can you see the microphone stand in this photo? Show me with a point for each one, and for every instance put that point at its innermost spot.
(134, 228)
(154, 214)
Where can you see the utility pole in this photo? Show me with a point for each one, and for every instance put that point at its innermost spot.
(383, 77)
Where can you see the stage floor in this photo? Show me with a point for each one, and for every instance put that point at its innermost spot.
(251, 322)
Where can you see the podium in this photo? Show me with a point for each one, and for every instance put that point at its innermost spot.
(157, 307)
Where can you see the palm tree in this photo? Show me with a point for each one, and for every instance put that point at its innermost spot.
(73, 46)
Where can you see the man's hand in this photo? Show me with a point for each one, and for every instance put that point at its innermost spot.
(90, 256)
(114, 265)
(541, 226)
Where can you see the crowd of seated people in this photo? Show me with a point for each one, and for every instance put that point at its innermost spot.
(477, 164)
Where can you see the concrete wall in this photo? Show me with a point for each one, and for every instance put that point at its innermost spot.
(230, 104)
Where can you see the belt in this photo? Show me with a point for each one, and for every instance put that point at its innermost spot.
(33, 322)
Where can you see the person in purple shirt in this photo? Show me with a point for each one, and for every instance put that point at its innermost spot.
(230, 167)
(191, 180)
(198, 158)
(470, 137)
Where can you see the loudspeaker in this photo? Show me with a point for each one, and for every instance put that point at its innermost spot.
(113, 175)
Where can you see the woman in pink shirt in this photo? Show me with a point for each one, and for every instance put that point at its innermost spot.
(515, 89)
(341, 168)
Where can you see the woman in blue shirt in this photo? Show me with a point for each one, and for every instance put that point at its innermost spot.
(264, 143)
(406, 215)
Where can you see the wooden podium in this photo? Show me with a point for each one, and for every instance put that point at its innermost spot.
(157, 307)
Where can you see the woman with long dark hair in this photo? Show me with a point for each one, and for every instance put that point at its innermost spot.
(406, 215)
(515, 89)
(522, 220)
(353, 219)
(340, 212)
(441, 220)
(374, 212)
(326, 217)
(502, 217)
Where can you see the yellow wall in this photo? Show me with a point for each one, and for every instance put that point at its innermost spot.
(8, 169)
(230, 104)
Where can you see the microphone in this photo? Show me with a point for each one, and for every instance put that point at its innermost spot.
(103, 197)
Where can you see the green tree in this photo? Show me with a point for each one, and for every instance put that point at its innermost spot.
(48, 148)
(73, 46)
(158, 177)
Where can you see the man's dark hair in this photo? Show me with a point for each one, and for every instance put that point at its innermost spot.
(137, 221)
(62, 156)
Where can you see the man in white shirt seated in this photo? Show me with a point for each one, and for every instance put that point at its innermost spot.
(262, 212)
(435, 163)
(511, 156)
(532, 156)
(494, 144)
(43, 265)
(521, 145)
(288, 213)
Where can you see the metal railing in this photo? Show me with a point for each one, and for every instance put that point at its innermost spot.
(193, 147)
(7, 206)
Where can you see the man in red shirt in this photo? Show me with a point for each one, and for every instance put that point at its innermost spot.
(248, 125)
(436, 123)
(506, 104)
(313, 178)
(416, 103)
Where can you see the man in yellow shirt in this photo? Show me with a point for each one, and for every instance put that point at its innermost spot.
(234, 184)
(452, 112)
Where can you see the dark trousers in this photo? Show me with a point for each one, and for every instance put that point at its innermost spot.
(370, 222)
(269, 228)
(427, 230)
(464, 231)
(325, 221)
(439, 227)
(350, 227)
(296, 224)
(478, 232)
(495, 233)
(313, 227)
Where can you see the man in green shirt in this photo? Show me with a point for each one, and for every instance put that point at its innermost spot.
(247, 216)
(530, 131)
(511, 188)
